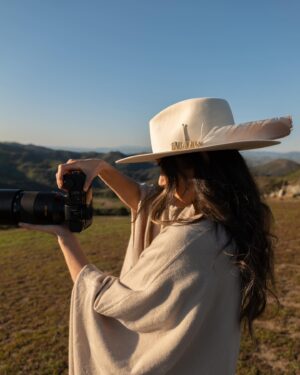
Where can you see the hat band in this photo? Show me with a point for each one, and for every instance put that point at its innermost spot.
(185, 145)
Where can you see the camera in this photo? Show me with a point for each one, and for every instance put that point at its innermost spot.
(75, 208)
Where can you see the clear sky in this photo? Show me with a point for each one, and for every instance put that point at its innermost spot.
(93, 73)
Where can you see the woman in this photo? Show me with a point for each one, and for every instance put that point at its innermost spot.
(199, 255)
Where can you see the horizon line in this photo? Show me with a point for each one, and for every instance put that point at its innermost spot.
(115, 148)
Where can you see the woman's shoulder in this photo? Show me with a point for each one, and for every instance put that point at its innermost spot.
(202, 243)
(184, 250)
(200, 233)
(176, 239)
(204, 235)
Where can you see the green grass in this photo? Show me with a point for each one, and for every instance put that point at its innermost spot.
(35, 289)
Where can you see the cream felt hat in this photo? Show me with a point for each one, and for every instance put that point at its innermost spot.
(207, 124)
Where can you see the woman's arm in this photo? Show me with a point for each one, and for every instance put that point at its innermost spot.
(126, 188)
(73, 253)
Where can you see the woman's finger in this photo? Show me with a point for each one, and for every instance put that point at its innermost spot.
(63, 169)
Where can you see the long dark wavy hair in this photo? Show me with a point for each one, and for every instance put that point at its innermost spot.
(226, 193)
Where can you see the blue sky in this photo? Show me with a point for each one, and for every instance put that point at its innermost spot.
(93, 73)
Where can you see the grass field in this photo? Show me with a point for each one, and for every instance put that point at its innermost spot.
(35, 288)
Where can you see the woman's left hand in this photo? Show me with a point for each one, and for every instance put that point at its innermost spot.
(56, 230)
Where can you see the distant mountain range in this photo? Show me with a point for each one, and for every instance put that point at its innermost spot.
(277, 167)
(124, 149)
(32, 167)
(253, 156)
(256, 157)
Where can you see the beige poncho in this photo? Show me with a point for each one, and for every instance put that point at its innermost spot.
(173, 310)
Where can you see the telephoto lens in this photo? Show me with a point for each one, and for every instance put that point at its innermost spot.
(33, 207)
(37, 207)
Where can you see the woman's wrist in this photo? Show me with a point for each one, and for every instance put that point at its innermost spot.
(65, 234)
(72, 252)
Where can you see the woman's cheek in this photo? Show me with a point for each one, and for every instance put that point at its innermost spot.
(162, 180)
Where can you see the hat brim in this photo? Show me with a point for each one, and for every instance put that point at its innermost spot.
(241, 145)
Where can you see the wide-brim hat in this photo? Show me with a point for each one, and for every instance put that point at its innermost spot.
(207, 124)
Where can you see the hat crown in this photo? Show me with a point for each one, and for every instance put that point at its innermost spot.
(185, 124)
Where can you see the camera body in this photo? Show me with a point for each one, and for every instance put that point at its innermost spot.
(78, 204)
(75, 208)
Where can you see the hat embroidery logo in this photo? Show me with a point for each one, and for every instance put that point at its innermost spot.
(187, 144)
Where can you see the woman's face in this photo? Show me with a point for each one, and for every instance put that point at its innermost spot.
(185, 190)
(162, 179)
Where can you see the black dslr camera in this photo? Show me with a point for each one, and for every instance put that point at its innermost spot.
(75, 208)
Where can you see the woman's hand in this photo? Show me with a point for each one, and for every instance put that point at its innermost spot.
(124, 187)
(90, 167)
(55, 230)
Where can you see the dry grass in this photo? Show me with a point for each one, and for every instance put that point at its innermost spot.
(35, 289)
(278, 330)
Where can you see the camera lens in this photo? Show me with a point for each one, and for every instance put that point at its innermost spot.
(75, 208)
(8, 202)
(42, 207)
(31, 207)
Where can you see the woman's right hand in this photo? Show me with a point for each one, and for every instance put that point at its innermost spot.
(90, 167)
(123, 186)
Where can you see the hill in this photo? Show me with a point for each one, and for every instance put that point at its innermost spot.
(272, 176)
(278, 167)
(258, 157)
(32, 167)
